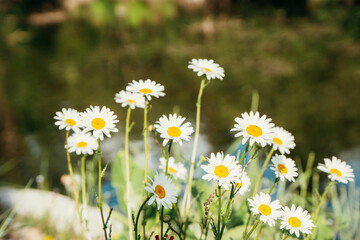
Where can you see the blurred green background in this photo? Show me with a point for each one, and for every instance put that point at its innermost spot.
(301, 56)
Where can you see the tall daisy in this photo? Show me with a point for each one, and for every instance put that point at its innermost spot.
(100, 121)
(283, 140)
(163, 190)
(284, 168)
(269, 210)
(254, 128)
(175, 169)
(244, 185)
(146, 88)
(337, 170)
(68, 119)
(173, 128)
(224, 169)
(82, 143)
(296, 220)
(208, 67)
(130, 99)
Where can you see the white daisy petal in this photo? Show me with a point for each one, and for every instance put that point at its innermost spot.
(68, 119)
(244, 185)
(269, 210)
(130, 99)
(283, 140)
(207, 67)
(337, 170)
(284, 168)
(82, 143)
(146, 88)
(177, 170)
(296, 220)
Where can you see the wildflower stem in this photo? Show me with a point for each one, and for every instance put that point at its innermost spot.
(252, 229)
(263, 170)
(83, 190)
(127, 165)
(167, 157)
(162, 222)
(99, 190)
(285, 237)
(243, 154)
(145, 140)
(273, 185)
(75, 192)
(258, 232)
(219, 214)
(227, 210)
(137, 218)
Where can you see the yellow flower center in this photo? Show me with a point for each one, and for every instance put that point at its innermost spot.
(70, 122)
(207, 69)
(174, 131)
(239, 185)
(160, 191)
(265, 209)
(146, 90)
(335, 171)
(221, 171)
(131, 101)
(282, 168)
(172, 170)
(254, 130)
(48, 237)
(82, 144)
(277, 141)
(294, 222)
(98, 123)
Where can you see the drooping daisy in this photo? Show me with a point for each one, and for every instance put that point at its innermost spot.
(146, 88)
(98, 121)
(68, 119)
(176, 169)
(269, 210)
(284, 168)
(337, 170)
(82, 143)
(254, 128)
(225, 170)
(244, 185)
(163, 190)
(208, 67)
(296, 220)
(172, 128)
(130, 99)
(283, 140)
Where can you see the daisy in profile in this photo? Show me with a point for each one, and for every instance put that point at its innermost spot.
(82, 143)
(244, 185)
(173, 128)
(269, 210)
(208, 67)
(130, 99)
(254, 128)
(337, 170)
(176, 169)
(224, 169)
(284, 168)
(146, 88)
(283, 140)
(163, 190)
(296, 220)
(100, 121)
(68, 119)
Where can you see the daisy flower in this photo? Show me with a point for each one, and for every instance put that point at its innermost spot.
(283, 140)
(284, 168)
(99, 121)
(146, 88)
(222, 169)
(254, 128)
(337, 170)
(130, 99)
(207, 67)
(244, 185)
(82, 143)
(176, 169)
(68, 119)
(269, 210)
(172, 128)
(163, 190)
(296, 220)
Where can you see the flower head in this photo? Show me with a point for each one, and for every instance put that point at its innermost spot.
(337, 170)
(146, 88)
(98, 121)
(224, 169)
(283, 140)
(82, 143)
(284, 168)
(296, 220)
(130, 99)
(269, 210)
(244, 185)
(254, 128)
(68, 119)
(208, 67)
(172, 128)
(175, 169)
(163, 190)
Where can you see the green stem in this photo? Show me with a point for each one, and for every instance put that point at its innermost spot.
(252, 229)
(137, 218)
(167, 157)
(243, 154)
(145, 141)
(285, 237)
(258, 232)
(227, 209)
(263, 170)
(273, 185)
(99, 190)
(83, 189)
(162, 222)
(219, 214)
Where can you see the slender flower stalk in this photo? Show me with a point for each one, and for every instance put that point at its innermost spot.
(137, 218)
(145, 140)
(252, 229)
(263, 170)
(99, 191)
(83, 190)
(227, 210)
(219, 214)
(286, 235)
